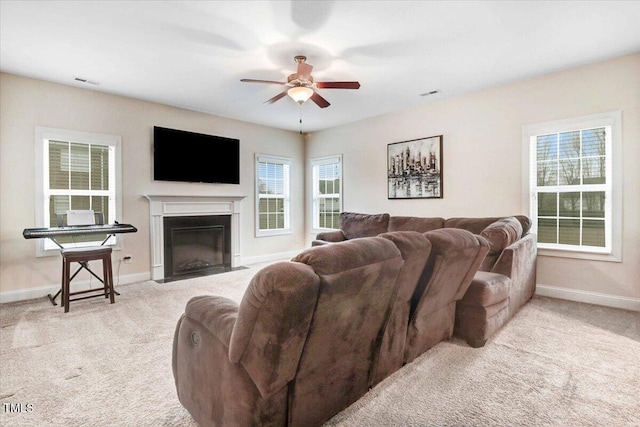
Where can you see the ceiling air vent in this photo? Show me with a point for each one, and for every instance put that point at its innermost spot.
(91, 82)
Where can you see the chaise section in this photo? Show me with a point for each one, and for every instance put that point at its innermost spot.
(509, 276)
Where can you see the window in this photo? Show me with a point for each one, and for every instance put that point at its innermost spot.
(76, 170)
(272, 195)
(327, 192)
(574, 183)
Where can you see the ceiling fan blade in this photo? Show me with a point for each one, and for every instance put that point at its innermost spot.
(275, 98)
(262, 81)
(304, 71)
(320, 101)
(337, 85)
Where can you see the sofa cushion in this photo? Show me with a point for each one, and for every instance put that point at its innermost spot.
(414, 223)
(500, 234)
(487, 289)
(355, 225)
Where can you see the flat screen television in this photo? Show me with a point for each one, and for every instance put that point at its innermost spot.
(195, 157)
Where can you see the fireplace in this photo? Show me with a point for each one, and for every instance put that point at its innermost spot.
(163, 207)
(196, 245)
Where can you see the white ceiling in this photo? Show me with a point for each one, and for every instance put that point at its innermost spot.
(192, 54)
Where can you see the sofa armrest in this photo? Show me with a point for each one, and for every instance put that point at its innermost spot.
(500, 234)
(216, 314)
(214, 390)
(518, 261)
(201, 318)
(331, 236)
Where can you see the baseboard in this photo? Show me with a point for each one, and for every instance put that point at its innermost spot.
(77, 285)
(588, 297)
(269, 257)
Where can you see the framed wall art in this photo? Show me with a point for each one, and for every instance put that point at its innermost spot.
(414, 168)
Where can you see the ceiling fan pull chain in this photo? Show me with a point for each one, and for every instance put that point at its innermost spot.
(300, 118)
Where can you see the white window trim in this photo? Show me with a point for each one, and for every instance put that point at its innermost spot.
(614, 159)
(259, 158)
(43, 134)
(337, 158)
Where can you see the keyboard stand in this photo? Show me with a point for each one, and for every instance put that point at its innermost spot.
(83, 265)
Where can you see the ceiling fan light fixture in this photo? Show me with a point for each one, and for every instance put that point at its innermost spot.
(300, 94)
(301, 85)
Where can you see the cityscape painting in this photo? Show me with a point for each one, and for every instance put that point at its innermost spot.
(414, 168)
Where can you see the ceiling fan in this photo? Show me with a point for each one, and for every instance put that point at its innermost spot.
(301, 85)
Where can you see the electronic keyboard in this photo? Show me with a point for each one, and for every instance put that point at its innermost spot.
(76, 230)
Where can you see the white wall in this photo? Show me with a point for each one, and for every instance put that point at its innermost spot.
(26, 103)
(482, 168)
(483, 163)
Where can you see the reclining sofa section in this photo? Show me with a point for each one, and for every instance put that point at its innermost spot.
(313, 335)
(506, 279)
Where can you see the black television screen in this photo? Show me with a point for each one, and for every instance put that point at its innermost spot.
(194, 157)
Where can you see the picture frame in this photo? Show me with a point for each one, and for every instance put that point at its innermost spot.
(414, 169)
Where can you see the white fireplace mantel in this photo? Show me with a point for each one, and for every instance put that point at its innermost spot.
(161, 206)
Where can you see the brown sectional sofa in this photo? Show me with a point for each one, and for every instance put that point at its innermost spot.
(313, 335)
(506, 279)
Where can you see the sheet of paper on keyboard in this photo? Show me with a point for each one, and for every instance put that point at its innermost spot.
(81, 217)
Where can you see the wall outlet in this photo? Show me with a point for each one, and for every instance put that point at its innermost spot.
(127, 259)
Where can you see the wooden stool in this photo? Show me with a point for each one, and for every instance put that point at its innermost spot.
(82, 256)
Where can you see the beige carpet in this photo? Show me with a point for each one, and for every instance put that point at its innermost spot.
(556, 363)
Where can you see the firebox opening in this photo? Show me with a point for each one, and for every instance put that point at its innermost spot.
(197, 248)
(196, 245)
